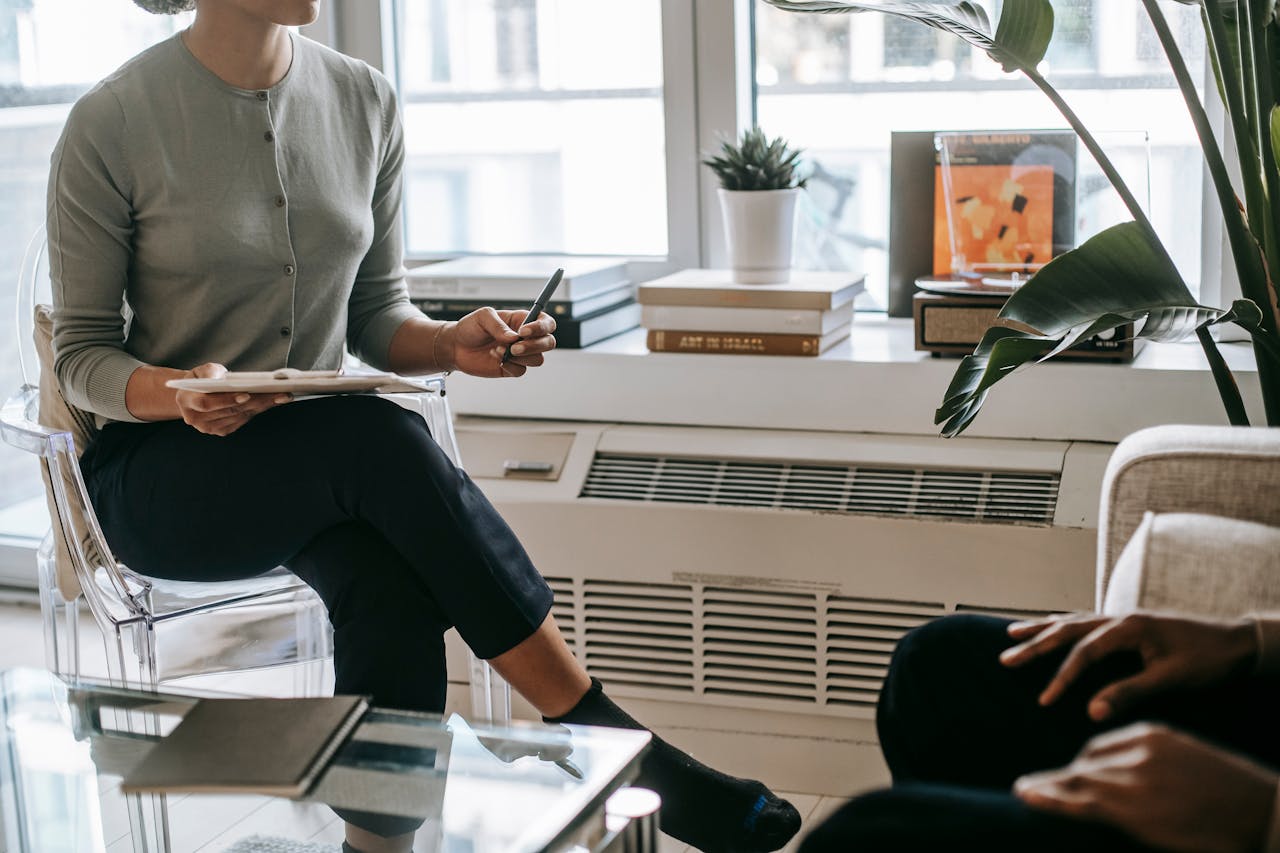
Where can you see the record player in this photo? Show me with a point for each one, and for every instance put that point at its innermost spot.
(1003, 207)
(952, 314)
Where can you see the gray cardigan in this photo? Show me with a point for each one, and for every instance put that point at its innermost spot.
(258, 229)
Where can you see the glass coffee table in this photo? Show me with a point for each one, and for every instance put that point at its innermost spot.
(65, 745)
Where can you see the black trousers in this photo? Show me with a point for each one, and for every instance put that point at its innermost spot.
(957, 728)
(353, 496)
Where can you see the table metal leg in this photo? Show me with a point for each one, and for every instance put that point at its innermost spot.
(631, 817)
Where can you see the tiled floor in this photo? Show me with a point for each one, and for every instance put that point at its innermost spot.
(198, 826)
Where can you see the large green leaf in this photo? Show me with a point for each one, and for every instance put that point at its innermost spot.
(1020, 39)
(1116, 277)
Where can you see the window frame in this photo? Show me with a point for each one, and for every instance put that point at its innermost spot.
(708, 95)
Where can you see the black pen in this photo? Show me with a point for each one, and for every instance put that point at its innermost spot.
(539, 305)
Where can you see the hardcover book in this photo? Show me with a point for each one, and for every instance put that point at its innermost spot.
(739, 343)
(822, 291)
(1004, 202)
(793, 321)
(516, 277)
(277, 747)
(575, 309)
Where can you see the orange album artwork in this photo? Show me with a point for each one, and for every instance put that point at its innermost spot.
(1002, 215)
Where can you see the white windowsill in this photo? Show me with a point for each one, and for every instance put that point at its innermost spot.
(876, 382)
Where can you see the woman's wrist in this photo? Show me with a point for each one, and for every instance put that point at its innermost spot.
(147, 397)
(444, 346)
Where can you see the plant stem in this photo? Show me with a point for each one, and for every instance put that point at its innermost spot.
(1233, 93)
(1248, 66)
(1228, 390)
(1245, 249)
(1108, 168)
(1266, 100)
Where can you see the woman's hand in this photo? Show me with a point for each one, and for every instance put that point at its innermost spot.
(222, 414)
(1176, 651)
(478, 342)
(1164, 788)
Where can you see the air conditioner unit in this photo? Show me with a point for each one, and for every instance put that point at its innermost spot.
(743, 589)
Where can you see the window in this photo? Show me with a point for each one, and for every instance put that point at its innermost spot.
(50, 52)
(532, 126)
(838, 85)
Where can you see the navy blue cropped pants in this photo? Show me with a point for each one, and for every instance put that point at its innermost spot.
(354, 496)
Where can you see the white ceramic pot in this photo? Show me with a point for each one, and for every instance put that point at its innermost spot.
(758, 225)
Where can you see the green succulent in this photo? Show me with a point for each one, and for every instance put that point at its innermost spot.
(756, 163)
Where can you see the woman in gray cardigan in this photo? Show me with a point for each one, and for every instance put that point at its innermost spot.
(236, 191)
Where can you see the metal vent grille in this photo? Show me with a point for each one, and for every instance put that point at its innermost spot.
(639, 634)
(759, 644)
(746, 647)
(562, 608)
(861, 635)
(1009, 497)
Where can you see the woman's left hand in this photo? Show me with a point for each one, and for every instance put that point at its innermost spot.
(478, 342)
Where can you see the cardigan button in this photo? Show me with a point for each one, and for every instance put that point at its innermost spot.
(269, 136)
(288, 269)
(262, 96)
(285, 331)
(279, 201)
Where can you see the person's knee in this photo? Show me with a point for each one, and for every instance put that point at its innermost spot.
(936, 662)
(950, 644)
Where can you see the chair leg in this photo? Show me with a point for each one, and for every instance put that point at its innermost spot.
(60, 618)
(490, 694)
(148, 813)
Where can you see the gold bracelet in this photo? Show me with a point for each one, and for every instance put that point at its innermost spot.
(435, 356)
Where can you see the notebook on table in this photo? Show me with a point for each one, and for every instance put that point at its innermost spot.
(277, 747)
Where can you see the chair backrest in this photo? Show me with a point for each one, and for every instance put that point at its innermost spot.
(40, 421)
(71, 514)
(29, 278)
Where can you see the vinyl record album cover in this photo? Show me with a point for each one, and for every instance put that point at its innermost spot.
(1003, 201)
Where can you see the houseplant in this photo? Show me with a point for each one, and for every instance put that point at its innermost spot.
(1124, 274)
(759, 183)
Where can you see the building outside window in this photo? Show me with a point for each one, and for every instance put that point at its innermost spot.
(532, 126)
(838, 85)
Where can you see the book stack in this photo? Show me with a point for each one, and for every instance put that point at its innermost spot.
(595, 299)
(705, 311)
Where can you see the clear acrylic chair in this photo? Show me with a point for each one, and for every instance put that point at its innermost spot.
(158, 631)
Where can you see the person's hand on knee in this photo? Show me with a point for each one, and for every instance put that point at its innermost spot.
(1164, 788)
(1176, 651)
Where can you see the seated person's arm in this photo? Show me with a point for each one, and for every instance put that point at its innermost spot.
(1165, 788)
(385, 330)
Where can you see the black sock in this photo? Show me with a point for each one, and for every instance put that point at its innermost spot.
(700, 806)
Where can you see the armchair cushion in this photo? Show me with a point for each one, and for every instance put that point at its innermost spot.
(56, 413)
(1233, 472)
(1203, 564)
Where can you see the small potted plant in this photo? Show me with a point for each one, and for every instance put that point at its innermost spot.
(758, 189)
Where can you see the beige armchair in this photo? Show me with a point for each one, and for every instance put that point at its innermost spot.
(1190, 521)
